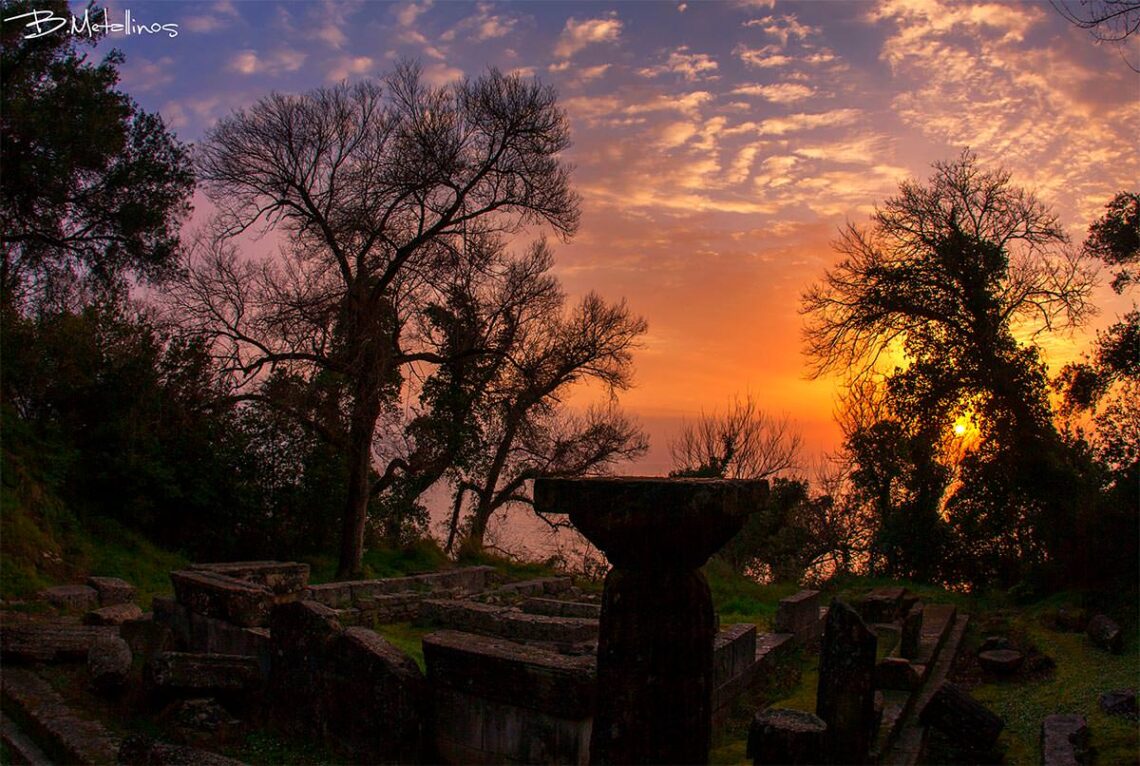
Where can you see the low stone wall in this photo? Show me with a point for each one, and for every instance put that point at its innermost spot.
(734, 668)
(507, 622)
(339, 595)
(499, 701)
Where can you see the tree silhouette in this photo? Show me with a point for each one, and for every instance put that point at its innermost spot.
(743, 442)
(1108, 21)
(377, 189)
(93, 187)
(941, 281)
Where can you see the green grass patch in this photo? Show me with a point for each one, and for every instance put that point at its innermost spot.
(408, 638)
(1082, 672)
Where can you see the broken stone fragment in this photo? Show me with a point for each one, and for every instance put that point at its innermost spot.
(1002, 662)
(1106, 634)
(112, 590)
(109, 664)
(228, 598)
(77, 597)
(781, 736)
(958, 715)
(845, 699)
(1121, 702)
(116, 614)
(1064, 740)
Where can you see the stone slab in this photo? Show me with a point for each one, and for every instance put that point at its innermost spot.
(194, 672)
(50, 642)
(799, 614)
(549, 586)
(112, 590)
(506, 622)
(511, 672)
(1064, 740)
(557, 608)
(285, 578)
(116, 614)
(74, 597)
(215, 595)
(65, 736)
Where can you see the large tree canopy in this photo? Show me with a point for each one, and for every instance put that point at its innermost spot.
(951, 283)
(379, 188)
(93, 188)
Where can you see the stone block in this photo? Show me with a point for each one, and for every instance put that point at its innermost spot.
(286, 579)
(896, 673)
(1121, 702)
(911, 634)
(558, 608)
(374, 699)
(109, 664)
(174, 617)
(845, 699)
(115, 614)
(1064, 740)
(205, 674)
(514, 673)
(506, 622)
(549, 586)
(734, 652)
(112, 590)
(779, 736)
(66, 737)
(71, 597)
(47, 642)
(1105, 633)
(881, 604)
(334, 594)
(1002, 662)
(966, 721)
(228, 598)
(798, 614)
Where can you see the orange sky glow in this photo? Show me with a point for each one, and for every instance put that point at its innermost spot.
(718, 146)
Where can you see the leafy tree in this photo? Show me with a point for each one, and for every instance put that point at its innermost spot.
(93, 188)
(944, 276)
(742, 443)
(378, 189)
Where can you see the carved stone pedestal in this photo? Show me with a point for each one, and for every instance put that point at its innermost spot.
(657, 626)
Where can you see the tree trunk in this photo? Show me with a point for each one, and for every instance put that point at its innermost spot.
(365, 411)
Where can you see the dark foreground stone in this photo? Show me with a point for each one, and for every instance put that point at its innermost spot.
(112, 590)
(1064, 740)
(48, 642)
(911, 631)
(139, 750)
(846, 694)
(64, 736)
(780, 736)
(116, 614)
(1120, 702)
(109, 664)
(198, 674)
(228, 598)
(896, 673)
(77, 597)
(968, 722)
(1106, 634)
(1001, 662)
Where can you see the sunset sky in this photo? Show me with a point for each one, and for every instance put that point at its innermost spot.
(718, 146)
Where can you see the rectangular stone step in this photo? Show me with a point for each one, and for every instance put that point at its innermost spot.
(506, 622)
(216, 595)
(42, 713)
(937, 619)
(552, 607)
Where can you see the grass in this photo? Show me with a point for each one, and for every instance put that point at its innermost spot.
(1082, 672)
(408, 638)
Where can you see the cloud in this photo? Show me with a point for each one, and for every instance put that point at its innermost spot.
(483, 25)
(681, 7)
(768, 57)
(691, 66)
(332, 36)
(346, 66)
(141, 75)
(406, 15)
(249, 62)
(777, 93)
(577, 35)
(783, 28)
(795, 123)
(221, 15)
(686, 102)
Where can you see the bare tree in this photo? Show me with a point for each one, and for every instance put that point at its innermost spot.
(743, 442)
(1108, 21)
(524, 430)
(377, 189)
